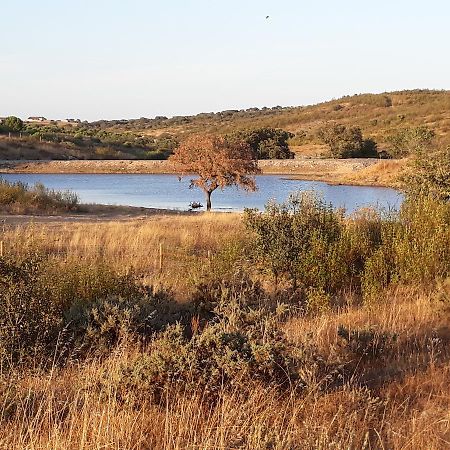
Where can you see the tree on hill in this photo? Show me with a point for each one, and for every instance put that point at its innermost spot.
(12, 123)
(347, 142)
(217, 163)
(267, 143)
(410, 141)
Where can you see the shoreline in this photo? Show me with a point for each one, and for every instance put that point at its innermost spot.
(92, 213)
(357, 171)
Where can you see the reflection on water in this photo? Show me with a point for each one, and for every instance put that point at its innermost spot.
(165, 191)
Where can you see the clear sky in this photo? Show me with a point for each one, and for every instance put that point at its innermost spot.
(132, 58)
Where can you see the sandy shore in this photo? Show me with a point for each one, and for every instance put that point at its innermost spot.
(362, 171)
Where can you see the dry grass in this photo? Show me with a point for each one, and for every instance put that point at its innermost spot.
(401, 401)
(64, 410)
(134, 244)
(385, 173)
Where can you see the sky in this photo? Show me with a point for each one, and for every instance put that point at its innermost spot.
(110, 59)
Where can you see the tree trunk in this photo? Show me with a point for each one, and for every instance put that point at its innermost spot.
(208, 200)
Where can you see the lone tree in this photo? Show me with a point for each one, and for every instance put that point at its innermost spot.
(217, 162)
(12, 123)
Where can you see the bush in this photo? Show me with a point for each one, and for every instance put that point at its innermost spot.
(239, 347)
(365, 343)
(73, 310)
(29, 320)
(19, 197)
(290, 236)
(12, 123)
(410, 141)
(96, 327)
(429, 175)
(347, 142)
(266, 143)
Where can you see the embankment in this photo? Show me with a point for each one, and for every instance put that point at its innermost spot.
(363, 171)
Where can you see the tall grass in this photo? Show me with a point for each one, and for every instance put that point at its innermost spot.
(407, 410)
(19, 198)
(369, 371)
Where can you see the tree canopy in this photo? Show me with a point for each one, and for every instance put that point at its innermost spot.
(266, 142)
(217, 162)
(12, 123)
(347, 142)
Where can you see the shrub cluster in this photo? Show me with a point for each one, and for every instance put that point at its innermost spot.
(347, 142)
(324, 255)
(19, 197)
(240, 345)
(65, 311)
(266, 143)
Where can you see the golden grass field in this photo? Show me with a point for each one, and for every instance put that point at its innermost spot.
(405, 403)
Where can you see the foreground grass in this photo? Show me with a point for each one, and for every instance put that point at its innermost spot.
(186, 242)
(397, 397)
(405, 405)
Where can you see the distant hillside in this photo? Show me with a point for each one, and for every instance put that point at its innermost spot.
(378, 115)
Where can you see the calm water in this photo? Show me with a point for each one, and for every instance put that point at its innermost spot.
(165, 191)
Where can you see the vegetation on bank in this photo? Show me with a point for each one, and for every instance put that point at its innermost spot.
(19, 198)
(299, 318)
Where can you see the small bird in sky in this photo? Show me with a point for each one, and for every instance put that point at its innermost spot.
(267, 17)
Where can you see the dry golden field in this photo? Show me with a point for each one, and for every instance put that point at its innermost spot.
(400, 400)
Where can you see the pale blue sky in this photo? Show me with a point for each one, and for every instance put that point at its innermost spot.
(125, 59)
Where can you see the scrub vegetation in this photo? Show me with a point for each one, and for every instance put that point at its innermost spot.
(294, 327)
(19, 198)
(383, 119)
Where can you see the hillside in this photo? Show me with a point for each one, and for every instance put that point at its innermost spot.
(378, 115)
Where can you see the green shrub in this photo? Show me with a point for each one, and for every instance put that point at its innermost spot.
(74, 310)
(365, 343)
(29, 320)
(347, 142)
(266, 142)
(239, 347)
(97, 327)
(38, 198)
(288, 238)
(429, 175)
(408, 141)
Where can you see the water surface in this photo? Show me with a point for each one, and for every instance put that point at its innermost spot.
(166, 191)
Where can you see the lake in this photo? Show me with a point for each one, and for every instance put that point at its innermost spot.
(166, 191)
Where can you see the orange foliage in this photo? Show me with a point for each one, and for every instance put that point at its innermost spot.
(217, 163)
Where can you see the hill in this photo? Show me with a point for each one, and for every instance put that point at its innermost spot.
(378, 115)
